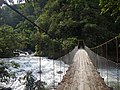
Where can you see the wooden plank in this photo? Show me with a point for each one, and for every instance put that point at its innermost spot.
(82, 75)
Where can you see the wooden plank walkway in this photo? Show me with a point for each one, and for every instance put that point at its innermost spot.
(82, 75)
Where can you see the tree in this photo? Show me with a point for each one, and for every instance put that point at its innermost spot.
(9, 41)
(111, 6)
(39, 85)
(32, 84)
(30, 79)
(10, 17)
(64, 20)
(80, 19)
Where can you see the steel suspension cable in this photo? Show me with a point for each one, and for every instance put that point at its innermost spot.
(60, 69)
(64, 61)
(64, 65)
(69, 60)
(101, 53)
(40, 70)
(27, 19)
(107, 65)
(106, 55)
(117, 61)
(60, 62)
(97, 62)
(53, 52)
(104, 43)
(40, 58)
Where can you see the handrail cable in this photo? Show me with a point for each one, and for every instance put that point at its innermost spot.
(106, 64)
(105, 42)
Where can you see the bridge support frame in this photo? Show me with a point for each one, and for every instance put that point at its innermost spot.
(81, 44)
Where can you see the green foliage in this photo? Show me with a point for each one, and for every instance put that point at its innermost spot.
(44, 45)
(112, 6)
(23, 29)
(30, 79)
(10, 17)
(65, 20)
(8, 41)
(79, 19)
(39, 85)
(69, 43)
(38, 50)
(32, 84)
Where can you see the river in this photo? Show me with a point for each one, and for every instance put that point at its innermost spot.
(32, 63)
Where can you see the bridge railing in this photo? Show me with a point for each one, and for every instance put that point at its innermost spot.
(68, 58)
(105, 58)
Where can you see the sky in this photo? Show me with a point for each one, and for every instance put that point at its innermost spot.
(15, 1)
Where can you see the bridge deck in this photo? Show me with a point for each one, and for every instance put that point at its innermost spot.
(82, 75)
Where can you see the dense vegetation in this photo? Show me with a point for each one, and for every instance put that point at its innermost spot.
(65, 20)
(111, 6)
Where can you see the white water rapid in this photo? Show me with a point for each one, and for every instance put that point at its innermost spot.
(32, 64)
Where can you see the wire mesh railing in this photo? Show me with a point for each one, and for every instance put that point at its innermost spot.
(68, 58)
(105, 58)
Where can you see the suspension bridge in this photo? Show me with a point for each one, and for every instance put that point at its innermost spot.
(96, 68)
(82, 75)
(92, 68)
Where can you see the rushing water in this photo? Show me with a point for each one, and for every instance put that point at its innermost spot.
(32, 64)
(111, 77)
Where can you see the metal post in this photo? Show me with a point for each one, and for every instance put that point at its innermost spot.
(40, 71)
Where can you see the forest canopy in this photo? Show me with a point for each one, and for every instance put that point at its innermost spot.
(111, 6)
(65, 20)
